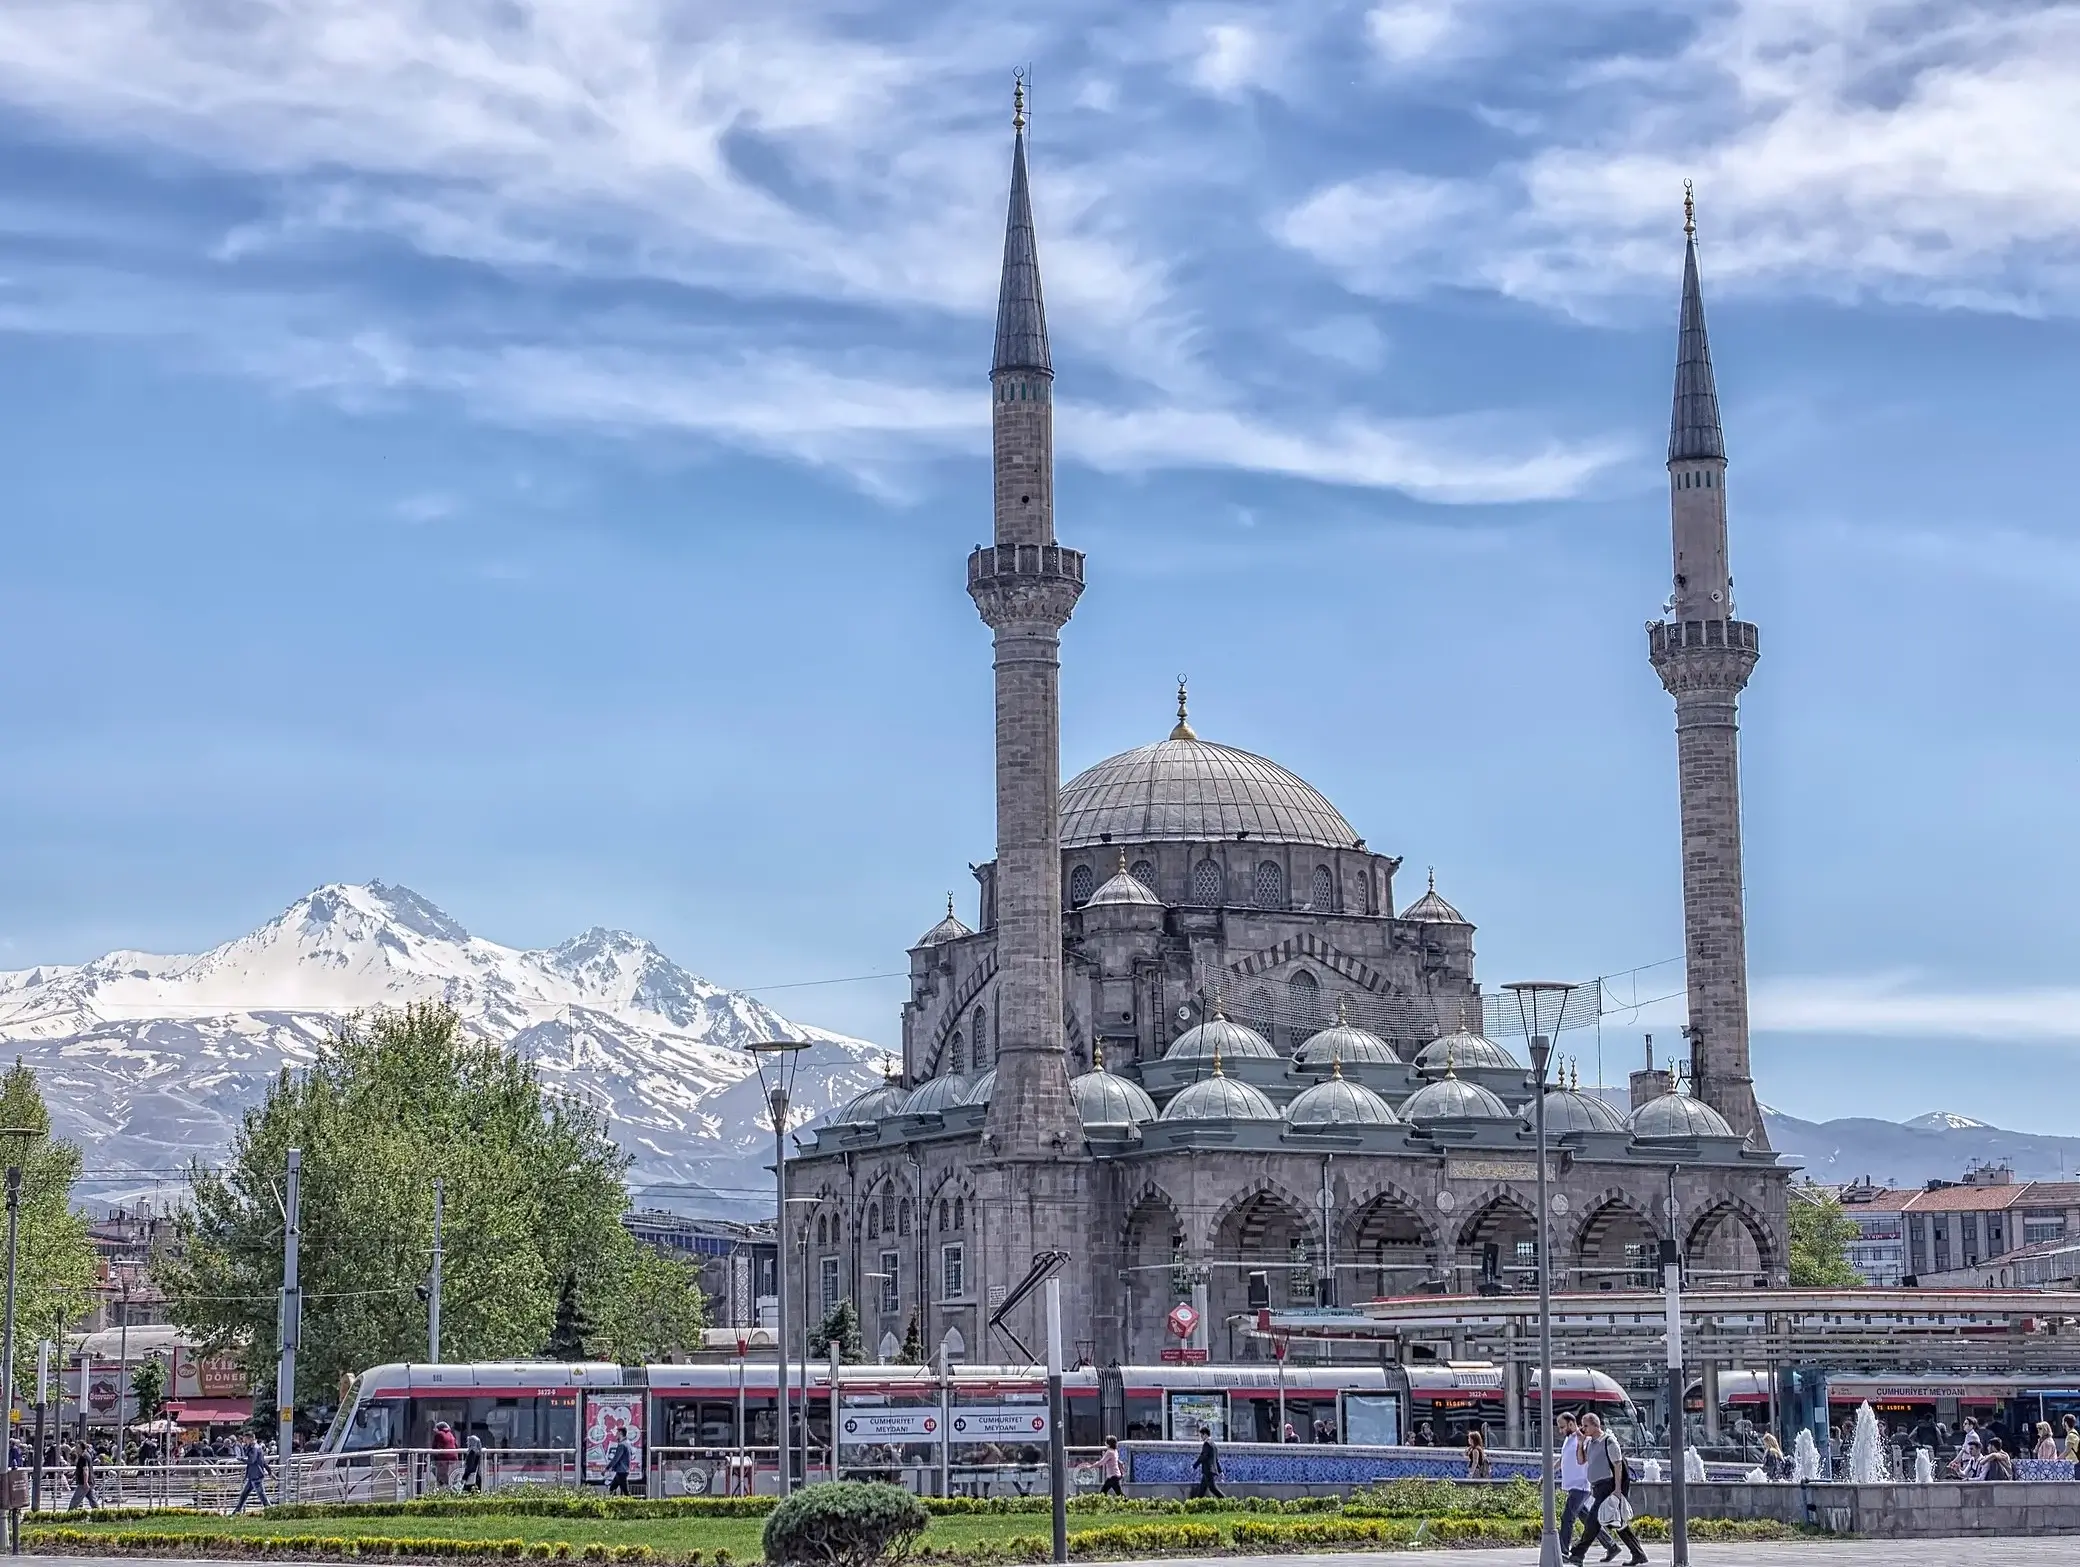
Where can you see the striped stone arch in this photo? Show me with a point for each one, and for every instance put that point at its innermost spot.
(951, 1183)
(1386, 1193)
(1250, 1195)
(956, 1015)
(1748, 1216)
(1152, 1197)
(1499, 1195)
(1312, 948)
(1596, 1209)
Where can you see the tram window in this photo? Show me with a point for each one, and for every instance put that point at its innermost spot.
(1372, 1419)
(1144, 1418)
(1083, 1423)
(561, 1422)
(374, 1425)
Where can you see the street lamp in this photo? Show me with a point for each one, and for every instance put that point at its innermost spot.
(1540, 1005)
(777, 1061)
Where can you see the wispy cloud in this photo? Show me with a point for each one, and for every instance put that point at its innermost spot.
(1911, 150)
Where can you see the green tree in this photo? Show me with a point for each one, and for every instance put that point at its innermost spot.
(1821, 1234)
(654, 1311)
(533, 1189)
(913, 1344)
(55, 1265)
(148, 1387)
(570, 1330)
(840, 1325)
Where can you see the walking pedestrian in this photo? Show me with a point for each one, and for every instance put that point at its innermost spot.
(1574, 1480)
(2047, 1446)
(620, 1458)
(255, 1457)
(1111, 1470)
(2072, 1445)
(473, 1463)
(445, 1448)
(1208, 1464)
(1476, 1455)
(83, 1479)
(1610, 1520)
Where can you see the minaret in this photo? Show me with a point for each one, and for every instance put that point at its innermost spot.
(1025, 586)
(1704, 655)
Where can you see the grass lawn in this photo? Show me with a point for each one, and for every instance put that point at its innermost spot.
(667, 1536)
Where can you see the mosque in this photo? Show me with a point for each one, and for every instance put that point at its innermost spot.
(1191, 1044)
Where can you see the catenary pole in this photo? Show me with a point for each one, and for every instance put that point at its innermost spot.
(1057, 1438)
(433, 1283)
(291, 1327)
(1672, 1284)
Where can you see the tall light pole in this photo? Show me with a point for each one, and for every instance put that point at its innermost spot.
(777, 1060)
(1672, 1286)
(1540, 1003)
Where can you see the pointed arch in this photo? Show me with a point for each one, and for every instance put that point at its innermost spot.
(1615, 1245)
(1713, 1243)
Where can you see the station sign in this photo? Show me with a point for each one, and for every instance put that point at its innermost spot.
(998, 1423)
(877, 1423)
(1183, 1320)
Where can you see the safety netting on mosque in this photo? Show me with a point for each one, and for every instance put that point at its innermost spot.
(1289, 1012)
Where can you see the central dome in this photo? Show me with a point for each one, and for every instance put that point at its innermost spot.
(1193, 791)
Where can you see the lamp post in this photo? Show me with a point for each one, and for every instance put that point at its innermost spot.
(1540, 1004)
(777, 1060)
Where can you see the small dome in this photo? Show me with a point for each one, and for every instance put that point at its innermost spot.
(873, 1105)
(1571, 1110)
(1105, 1100)
(1455, 1099)
(1219, 1098)
(1123, 887)
(1219, 1037)
(1678, 1115)
(1340, 1102)
(1430, 909)
(1466, 1048)
(937, 1095)
(985, 1085)
(948, 929)
(1344, 1041)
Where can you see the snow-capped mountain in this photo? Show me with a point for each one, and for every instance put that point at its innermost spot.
(148, 1060)
(1947, 1121)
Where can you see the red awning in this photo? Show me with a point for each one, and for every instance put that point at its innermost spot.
(211, 1411)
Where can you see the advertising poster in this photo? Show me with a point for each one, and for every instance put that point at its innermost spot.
(1190, 1411)
(606, 1414)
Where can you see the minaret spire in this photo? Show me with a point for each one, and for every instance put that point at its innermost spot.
(1704, 655)
(1021, 312)
(1693, 425)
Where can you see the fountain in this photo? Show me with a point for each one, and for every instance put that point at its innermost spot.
(1805, 1457)
(1867, 1464)
(1693, 1466)
(1651, 1471)
(1924, 1466)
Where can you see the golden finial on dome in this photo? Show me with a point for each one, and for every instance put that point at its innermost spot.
(1123, 862)
(1183, 731)
(1451, 1059)
(1018, 100)
(1433, 878)
(1220, 1012)
(1336, 1059)
(1217, 1061)
(949, 905)
(1689, 211)
(1098, 1056)
(1343, 1009)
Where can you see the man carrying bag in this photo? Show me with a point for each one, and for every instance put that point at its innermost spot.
(1610, 1514)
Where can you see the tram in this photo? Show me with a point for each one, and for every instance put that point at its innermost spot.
(545, 1407)
(1907, 1403)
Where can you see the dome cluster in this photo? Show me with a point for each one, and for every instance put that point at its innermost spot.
(1111, 1106)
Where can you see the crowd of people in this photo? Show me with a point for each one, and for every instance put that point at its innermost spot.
(81, 1462)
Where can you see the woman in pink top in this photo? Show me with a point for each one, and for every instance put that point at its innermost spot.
(1110, 1469)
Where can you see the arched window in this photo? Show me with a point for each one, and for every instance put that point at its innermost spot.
(1268, 889)
(1081, 884)
(956, 1054)
(960, 1213)
(837, 1228)
(873, 1219)
(823, 1230)
(1305, 998)
(1323, 894)
(903, 1217)
(1144, 872)
(978, 1034)
(1206, 882)
(945, 1213)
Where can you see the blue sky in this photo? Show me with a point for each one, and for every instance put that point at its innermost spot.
(527, 448)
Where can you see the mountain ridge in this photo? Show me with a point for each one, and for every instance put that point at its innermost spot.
(149, 1059)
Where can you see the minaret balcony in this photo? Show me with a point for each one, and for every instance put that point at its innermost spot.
(1668, 637)
(1025, 582)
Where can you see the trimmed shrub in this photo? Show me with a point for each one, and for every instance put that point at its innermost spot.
(843, 1525)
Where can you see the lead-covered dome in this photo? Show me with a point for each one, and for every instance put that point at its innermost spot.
(1344, 1041)
(1220, 1098)
(985, 1085)
(1218, 1038)
(1571, 1110)
(937, 1095)
(1189, 789)
(1466, 1048)
(1455, 1099)
(1678, 1115)
(873, 1105)
(1340, 1102)
(1105, 1100)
